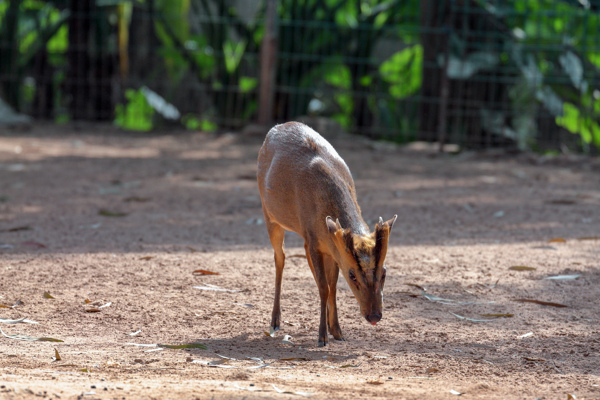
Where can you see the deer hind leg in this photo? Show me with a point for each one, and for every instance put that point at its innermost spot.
(332, 272)
(276, 235)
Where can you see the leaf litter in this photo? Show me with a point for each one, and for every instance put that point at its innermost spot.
(30, 338)
(18, 303)
(521, 268)
(184, 346)
(204, 272)
(563, 277)
(507, 315)
(287, 339)
(245, 305)
(108, 213)
(451, 302)
(17, 321)
(417, 286)
(543, 303)
(48, 295)
(471, 319)
(216, 288)
(278, 390)
(36, 245)
(171, 346)
(526, 335)
(297, 256)
(534, 359)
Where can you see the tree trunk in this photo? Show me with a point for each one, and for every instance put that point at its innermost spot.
(9, 56)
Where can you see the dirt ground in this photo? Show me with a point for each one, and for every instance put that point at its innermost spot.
(123, 221)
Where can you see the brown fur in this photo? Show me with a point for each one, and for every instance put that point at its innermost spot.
(304, 185)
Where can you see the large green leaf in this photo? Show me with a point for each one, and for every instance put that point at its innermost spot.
(137, 114)
(573, 120)
(402, 71)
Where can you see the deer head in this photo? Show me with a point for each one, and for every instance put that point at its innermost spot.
(361, 260)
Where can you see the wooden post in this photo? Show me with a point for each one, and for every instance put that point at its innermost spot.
(268, 61)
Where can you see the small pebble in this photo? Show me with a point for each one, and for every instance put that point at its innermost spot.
(318, 375)
(93, 386)
(389, 377)
(105, 388)
(252, 384)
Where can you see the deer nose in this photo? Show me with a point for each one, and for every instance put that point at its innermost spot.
(374, 317)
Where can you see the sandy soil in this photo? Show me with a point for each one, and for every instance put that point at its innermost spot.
(123, 220)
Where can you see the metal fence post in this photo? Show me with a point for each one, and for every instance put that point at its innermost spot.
(268, 62)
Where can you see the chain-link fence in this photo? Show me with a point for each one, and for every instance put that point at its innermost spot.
(480, 73)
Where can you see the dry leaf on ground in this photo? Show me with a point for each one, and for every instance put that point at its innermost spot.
(528, 334)
(215, 288)
(543, 303)
(297, 255)
(497, 315)
(36, 245)
(30, 338)
(108, 213)
(521, 268)
(17, 321)
(470, 319)
(563, 277)
(205, 272)
(305, 394)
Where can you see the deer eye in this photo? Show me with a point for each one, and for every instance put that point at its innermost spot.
(352, 276)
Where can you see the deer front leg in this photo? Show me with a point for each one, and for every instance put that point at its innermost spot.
(331, 272)
(315, 261)
(276, 235)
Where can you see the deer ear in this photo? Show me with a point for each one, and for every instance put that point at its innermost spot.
(390, 222)
(331, 225)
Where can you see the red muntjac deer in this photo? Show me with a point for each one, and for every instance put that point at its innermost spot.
(307, 188)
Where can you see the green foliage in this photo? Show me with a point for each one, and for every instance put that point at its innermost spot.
(554, 47)
(136, 114)
(233, 52)
(547, 50)
(247, 84)
(195, 123)
(574, 121)
(402, 71)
